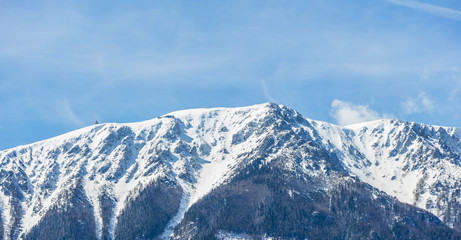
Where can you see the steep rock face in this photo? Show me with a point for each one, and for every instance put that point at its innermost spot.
(156, 175)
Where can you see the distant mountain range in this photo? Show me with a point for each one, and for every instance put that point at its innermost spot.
(257, 172)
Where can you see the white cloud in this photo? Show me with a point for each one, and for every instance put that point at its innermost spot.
(347, 113)
(420, 104)
(430, 8)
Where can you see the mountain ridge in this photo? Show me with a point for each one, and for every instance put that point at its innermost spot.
(110, 166)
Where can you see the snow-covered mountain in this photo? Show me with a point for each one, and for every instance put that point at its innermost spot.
(417, 163)
(259, 172)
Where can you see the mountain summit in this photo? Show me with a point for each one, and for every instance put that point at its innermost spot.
(254, 172)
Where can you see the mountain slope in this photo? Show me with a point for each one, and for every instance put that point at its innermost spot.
(418, 164)
(151, 179)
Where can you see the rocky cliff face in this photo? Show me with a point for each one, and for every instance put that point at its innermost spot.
(259, 172)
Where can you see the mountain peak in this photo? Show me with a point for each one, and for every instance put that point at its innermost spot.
(190, 113)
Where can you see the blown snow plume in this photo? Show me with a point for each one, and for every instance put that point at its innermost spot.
(258, 172)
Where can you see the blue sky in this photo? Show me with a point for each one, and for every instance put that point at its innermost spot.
(65, 64)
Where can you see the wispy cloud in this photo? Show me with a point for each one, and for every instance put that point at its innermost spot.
(60, 111)
(430, 8)
(346, 113)
(421, 104)
(456, 90)
(267, 95)
(69, 115)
